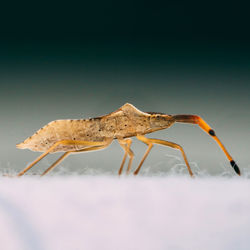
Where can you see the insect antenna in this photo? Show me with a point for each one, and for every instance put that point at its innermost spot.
(194, 119)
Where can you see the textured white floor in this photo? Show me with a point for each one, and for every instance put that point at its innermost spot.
(57, 213)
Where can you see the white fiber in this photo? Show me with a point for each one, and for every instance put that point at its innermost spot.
(107, 212)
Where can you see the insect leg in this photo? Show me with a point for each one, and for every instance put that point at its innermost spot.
(194, 119)
(150, 143)
(56, 163)
(125, 144)
(67, 153)
(63, 142)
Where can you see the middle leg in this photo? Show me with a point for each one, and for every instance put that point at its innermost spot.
(125, 144)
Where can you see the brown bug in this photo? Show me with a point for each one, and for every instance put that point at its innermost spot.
(75, 136)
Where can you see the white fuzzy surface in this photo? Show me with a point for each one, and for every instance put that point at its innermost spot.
(88, 212)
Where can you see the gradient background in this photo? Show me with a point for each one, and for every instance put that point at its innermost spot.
(84, 61)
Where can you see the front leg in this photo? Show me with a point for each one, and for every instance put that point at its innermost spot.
(150, 143)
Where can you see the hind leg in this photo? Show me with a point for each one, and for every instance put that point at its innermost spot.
(67, 153)
(63, 142)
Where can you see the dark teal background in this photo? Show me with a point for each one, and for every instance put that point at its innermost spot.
(68, 61)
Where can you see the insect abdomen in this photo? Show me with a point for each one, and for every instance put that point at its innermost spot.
(44, 138)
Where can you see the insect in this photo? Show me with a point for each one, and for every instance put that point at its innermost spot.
(76, 136)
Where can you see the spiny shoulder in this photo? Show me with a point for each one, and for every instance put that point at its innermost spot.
(129, 110)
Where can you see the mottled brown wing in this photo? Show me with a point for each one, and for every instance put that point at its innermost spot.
(56, 131)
